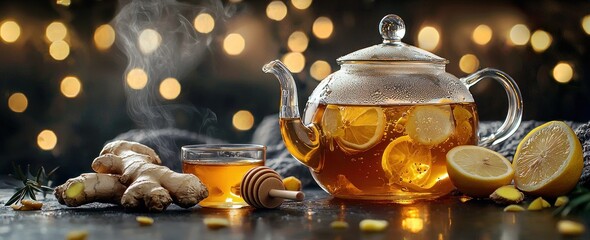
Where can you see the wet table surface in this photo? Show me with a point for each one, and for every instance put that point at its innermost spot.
(447, 218)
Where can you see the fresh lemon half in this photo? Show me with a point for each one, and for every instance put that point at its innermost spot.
(354, 128)
(430, 125)
(548, 161)
(478, 171)
(406, 162)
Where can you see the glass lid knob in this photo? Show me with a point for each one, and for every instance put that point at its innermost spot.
(392, 28)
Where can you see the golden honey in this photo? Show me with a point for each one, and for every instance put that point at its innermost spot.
(222, 178)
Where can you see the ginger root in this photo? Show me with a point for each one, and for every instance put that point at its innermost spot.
(507, 195)
(129, 174)
(90, 187)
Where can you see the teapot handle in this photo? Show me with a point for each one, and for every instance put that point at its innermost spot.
(514, 116)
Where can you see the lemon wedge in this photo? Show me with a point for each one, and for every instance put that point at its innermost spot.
(548, 161)
(406, 162)
(430, 125)
(478, 171)
(354, 128)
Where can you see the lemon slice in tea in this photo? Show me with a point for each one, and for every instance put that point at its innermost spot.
(407, 162)
(548, 161)
(354, 128)
(430, 125)
(478, 171)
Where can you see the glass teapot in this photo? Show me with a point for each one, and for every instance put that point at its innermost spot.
(380, 127)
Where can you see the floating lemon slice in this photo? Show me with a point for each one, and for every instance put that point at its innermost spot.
(354, 128)
(430, 125)
(478, 171)
(406, 162)
(548, 161)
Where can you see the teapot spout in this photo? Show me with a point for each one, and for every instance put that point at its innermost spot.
(302, 141)
(289, 103)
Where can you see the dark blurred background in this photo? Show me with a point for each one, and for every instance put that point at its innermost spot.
(65, 80)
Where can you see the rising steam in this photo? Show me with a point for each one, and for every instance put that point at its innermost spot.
(158, 37)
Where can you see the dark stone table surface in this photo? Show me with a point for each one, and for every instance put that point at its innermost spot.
(446, 218)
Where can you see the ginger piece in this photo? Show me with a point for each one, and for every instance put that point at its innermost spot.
(90, 187)
(77, 235)
(513, 208)
(570, 228)
(144, 221)
(31, 204)
(27, 205)
(507, 195)
(536, 204)
(129, 174)
(338, 224)
(560, 201)
(373, 225)
(292, 184)
(216, 223)
(545, 204)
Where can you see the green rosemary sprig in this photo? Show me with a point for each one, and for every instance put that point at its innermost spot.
(31, 184)
(579, 202)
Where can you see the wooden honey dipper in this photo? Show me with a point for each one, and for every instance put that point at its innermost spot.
(262, 187)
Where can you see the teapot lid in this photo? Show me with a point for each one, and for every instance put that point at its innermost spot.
(392, 29)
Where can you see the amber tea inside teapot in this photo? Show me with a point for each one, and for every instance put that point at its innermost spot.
(380, 127)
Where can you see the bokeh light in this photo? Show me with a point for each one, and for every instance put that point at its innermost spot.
(586, 24)
(59, 50)
(64, 2)
(322, 27)
(170, 88)
(520, 34)
(320, 69)
(149, 41)
(276, 10)
(9, 31)
(46, 140)
(234, 44)
(294, 61)
(468, 63)
(104, 37)
(301, 4)
(56, 31)
(563, 72)
(540, 40)
(204, 23)
(428, 38)
(18, 102)
(70, 86)
(243, 120)
(137, 78)
(298, 41)
(482, 34)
